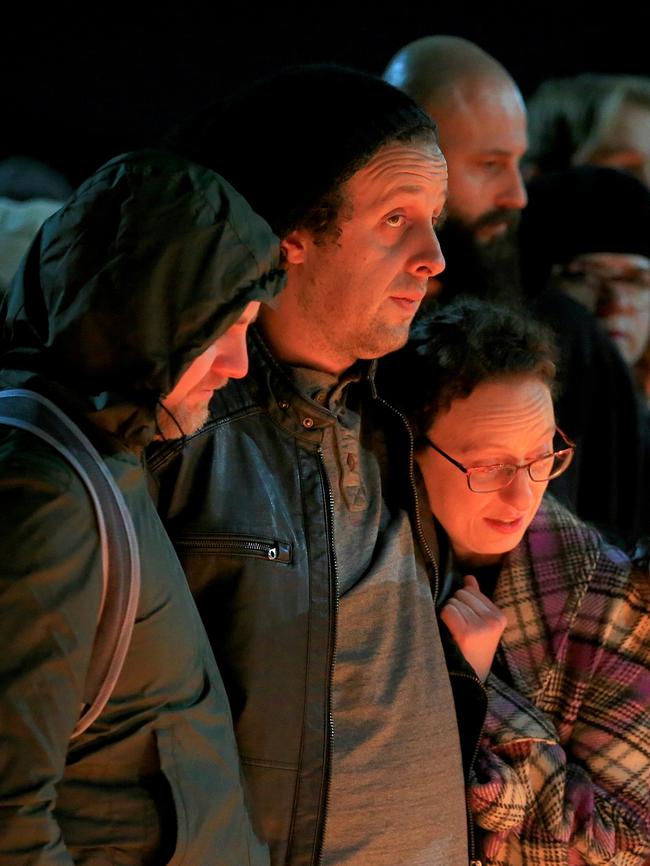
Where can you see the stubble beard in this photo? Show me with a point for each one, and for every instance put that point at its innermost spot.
(366, 340)
(352, 339)
(183, 421)
(380, 339)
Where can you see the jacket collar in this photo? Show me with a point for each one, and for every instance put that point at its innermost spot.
(279, 391)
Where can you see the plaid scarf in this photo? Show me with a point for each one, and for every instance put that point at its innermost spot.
(563, 774)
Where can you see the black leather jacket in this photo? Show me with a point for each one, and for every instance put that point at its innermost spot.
(248, 506)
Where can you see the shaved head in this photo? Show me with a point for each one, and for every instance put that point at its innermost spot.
(481, 121)
(433, 70)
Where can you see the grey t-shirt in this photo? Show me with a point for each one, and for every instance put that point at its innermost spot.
(397, 791)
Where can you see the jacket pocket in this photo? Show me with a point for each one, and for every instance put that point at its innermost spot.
(168, 764)
(230, 544)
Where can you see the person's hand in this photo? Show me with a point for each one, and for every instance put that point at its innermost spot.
(476, 624)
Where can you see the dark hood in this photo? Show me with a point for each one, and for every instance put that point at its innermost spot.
(585, 209)
(143, 267)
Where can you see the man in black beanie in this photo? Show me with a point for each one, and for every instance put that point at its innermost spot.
(314, 570)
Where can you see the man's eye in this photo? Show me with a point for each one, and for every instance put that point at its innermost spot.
(395, 220)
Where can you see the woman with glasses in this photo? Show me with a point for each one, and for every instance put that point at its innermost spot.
(552, 619)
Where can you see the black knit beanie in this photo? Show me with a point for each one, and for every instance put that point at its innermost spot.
(288, 141)
(587, 209)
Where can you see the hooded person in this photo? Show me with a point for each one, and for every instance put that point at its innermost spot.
(138, 289)
(588, 278)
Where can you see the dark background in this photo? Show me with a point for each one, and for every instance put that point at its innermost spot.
(86, 82)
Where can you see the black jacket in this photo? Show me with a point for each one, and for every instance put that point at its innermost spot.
(599, 409)
(248, 507)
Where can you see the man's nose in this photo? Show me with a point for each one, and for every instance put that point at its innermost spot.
(232, 363)
(512, 195)
(428, 260)
(614, 299)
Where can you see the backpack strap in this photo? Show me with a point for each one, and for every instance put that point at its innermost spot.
(119, 546)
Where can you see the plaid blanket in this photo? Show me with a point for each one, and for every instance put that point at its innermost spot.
(563, 772)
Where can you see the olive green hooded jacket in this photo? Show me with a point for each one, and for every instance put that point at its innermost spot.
(147, 263)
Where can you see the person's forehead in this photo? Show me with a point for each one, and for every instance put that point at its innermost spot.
(488, 116)
(629, 125)
(514, 405)
(615, 260)
(413, 168)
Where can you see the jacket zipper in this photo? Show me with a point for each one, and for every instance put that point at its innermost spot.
(243, 545)
(418, 519)
(473, 859)
(333, 629)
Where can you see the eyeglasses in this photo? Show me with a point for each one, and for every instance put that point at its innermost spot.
(488, 479)
(603, 278)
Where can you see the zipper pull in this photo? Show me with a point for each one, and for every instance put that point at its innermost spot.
(475, 863)
(272, 553)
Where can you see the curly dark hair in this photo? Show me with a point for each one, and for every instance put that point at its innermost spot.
(454, 349)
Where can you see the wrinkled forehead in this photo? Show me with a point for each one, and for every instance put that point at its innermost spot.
(423, 137)
(510, 404)
(416, 166)
(528, 390)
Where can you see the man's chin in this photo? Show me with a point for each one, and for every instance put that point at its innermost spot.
(392, 339)
(183, 423)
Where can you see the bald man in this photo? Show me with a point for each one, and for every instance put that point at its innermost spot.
(482, 127)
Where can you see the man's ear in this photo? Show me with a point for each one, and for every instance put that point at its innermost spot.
(293, 247)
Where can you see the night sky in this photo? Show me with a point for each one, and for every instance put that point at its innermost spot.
(81, 86)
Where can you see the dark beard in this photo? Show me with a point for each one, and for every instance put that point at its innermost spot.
(489, 270)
